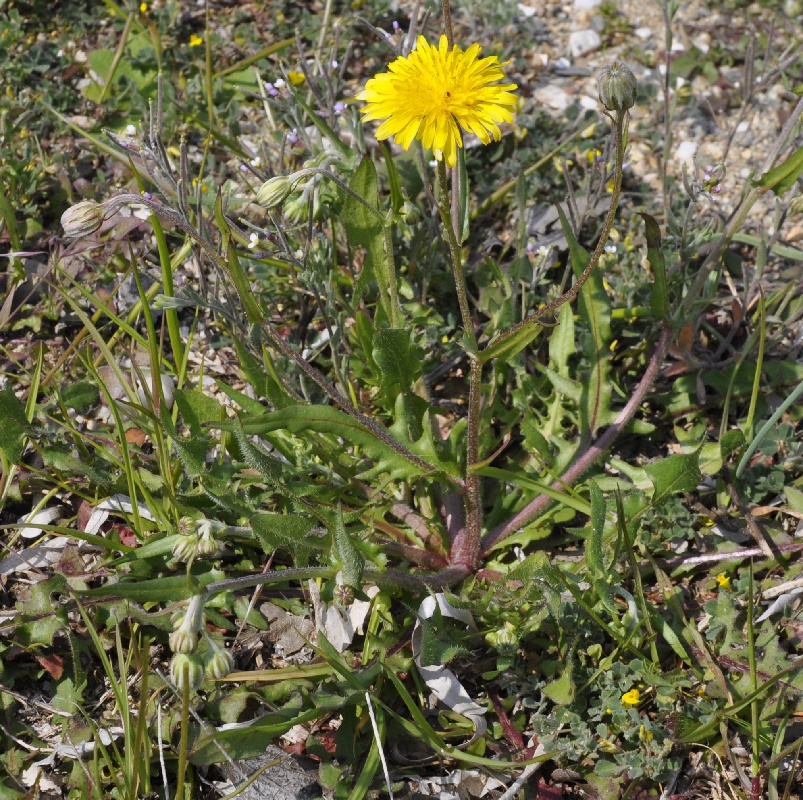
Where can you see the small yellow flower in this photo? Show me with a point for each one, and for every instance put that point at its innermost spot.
(435, 92)
(631, 698)
(593, 155)
(296, 78)
(724, 581)
(195, 40)
(143, 7)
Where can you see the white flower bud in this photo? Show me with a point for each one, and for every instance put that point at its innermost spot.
(82, 219)
(186, 670)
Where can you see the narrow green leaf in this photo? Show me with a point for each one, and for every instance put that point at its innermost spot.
(568, 498)
(166, 590)
(304, 419)
(14, 426)
(350, 560)
(463, 198)
(396, 196)
(511, 343)
(782, 177)
(561, 342)
(248, 741)
(659, 298)
(594, 309)
(366, 228)
(594, 555)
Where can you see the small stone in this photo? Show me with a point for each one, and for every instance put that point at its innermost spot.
(643, 33)
(685, 152)
(552, 97)
(795, 234)
(582, 42)
(584, 5)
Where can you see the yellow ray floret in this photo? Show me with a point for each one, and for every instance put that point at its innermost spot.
(434, 92)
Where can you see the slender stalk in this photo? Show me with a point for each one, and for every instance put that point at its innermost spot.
(183, 739)
(466, 546)
(755, 706)
(444, 206)
(569, 295)
(447, 22)
(538, 504)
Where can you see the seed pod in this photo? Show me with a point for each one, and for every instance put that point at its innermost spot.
(82, 219)
(617, 87)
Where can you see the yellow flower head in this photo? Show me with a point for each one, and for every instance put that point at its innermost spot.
(434, 92)
(196, 40)
(143, 7)
(631, 698)
(723, 581)
(296, 78)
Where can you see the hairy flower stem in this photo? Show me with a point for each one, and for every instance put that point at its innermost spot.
(447, 22)
(466, 545)
(581, 464)
(445, 208)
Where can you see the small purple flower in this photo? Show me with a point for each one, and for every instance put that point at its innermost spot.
(147, 195)
(396, 26)
(340, 107)
(243, 168)
(292, 137)
(388, 36)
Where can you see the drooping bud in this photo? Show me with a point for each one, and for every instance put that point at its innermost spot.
(274, 191)
(187, 627)
(82, 219)
(186, 670)
(617, 87)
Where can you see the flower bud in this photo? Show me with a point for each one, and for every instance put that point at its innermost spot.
(187, 627)
(410, 213)
(617, 87)
(183, 641)
(186, 670)
(274, 191)
(196, 540)
(82, 219)
(220, 664)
